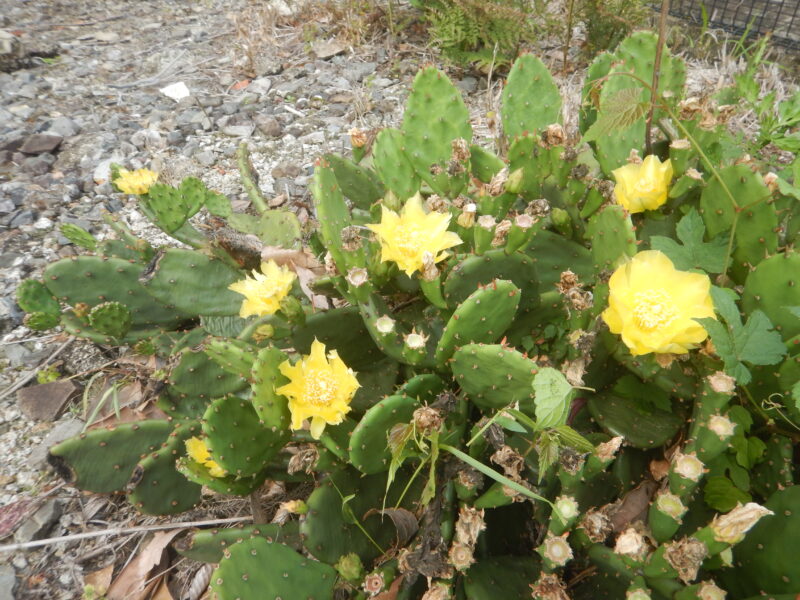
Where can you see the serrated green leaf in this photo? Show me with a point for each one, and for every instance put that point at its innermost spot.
(569, 437)
(618, 112)
(548, 449)
(742, 417)
(510, 424)
(552, 395)
(722, 495)
(694, 253)
(757, 343)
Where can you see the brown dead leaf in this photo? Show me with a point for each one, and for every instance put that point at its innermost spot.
(143, 412)
(292, 258)
(100, 580)
(633, 505)
(162, 591)
(405, 523)
(659, 469)
(132, 582)
(240, 85)
(391, 593)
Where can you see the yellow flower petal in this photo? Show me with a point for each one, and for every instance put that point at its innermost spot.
(197, 450)
(643, 187)
(653, 306)
(320, 387)
(136, 182)
(406, 238)
(264, 292)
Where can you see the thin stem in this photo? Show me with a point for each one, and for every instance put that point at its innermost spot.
(662, 33)
(119, 531)
(259, 514)
(249, 181)
(568, 37)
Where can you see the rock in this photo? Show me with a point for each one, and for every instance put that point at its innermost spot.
(39, 143)
(238, 130)
(205, 158)
(327, 48)
(43, 224)
(269, 126)
(63, 126)
(38, 524)
(467, 85)
(22, 217)
(12, 54)
(8, 582)
(63, 430)
(35, 165)
(46, 401)
(260, 86)
(149, 139)
(175, 138)
(6, 207)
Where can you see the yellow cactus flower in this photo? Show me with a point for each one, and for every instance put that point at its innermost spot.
(320, 388)
(413, 235)
(653, 306)
(136, 182)
(264, 292)
(197, 450)
(644, 186)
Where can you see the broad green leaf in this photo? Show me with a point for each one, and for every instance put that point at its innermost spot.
(618, 112)
(510, 424)
(757, 343)
(569, 437)
(552, 395)
(694, 253)
(722, 495)
(548, 449)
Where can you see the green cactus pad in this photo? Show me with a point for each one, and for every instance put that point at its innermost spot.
(271, 407)
(376, 382)
(612, 236)
(119, 249)
(641, 426)
(93, 280)
(360, 184)
(41, 321)
(483, 317)
(775, 471)
(531, 100)
(102, 460)
(156, 487)
(554, 254)
(235, 356)
(236, 439)
(328, 529)
(340, 329)
(255, 569)
(193, 283)
(80, 327)
(435, 116)
(392, 164)
(598, 69)
(111, 318)
(369, 452)
(274, 227)
(765, 562)
(196, 375)
(78, 236)
(230, 326)
(475, 271)
(163, 206)
(334, 217)
(484, 164)
(34, 297)
(773, 287)
(494, 376)
(502, 577)
(425, 388)
(209, 545)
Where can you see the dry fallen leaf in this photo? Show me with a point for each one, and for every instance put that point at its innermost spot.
(100, 580)
(132, 583)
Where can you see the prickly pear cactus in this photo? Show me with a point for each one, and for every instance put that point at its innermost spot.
(515, 378)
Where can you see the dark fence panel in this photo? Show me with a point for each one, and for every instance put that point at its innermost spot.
(780, 17)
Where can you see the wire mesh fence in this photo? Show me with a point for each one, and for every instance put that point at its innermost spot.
(779, 17)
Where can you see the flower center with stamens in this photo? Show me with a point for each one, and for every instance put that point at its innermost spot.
(653, 309)
(645, 186)
(320, 388)
(409, 241)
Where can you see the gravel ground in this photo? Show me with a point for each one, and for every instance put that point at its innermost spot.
(83, 88)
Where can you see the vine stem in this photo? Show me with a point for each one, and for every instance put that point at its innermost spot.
(662, 34)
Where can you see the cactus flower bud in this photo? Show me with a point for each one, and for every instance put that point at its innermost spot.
(631, 543)
(467, 217)
(350, 567)
(557, 550)
(670, 504)
(688, 466)
(385, 324)
(357, 276)
(415, 341)
(567, 507)
(722, 426)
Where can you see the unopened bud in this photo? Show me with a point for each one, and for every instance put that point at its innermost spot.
(357, 276)
(771, 181)
(722, 426)
(416, 341)
(384, 324)
(427, 419)
(688, 466)
(467, 217)
(557, 550)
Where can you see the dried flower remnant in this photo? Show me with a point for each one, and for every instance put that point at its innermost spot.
(731, 527)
